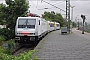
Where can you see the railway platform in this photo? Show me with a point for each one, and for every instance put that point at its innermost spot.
(55, 46)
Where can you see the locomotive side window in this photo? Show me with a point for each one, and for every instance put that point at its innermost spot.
(39, 22)
(51, 25)
(26, 23)
(57, 25)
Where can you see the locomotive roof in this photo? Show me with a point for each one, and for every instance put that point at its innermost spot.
(28, 17)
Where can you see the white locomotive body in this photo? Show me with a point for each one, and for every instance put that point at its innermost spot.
(57, 26)
(30, 29)
(52, 27)
(33, 29)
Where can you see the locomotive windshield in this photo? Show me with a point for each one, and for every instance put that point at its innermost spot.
(26, 23)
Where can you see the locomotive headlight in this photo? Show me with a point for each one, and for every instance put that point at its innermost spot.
(18, 33)
(32, 33)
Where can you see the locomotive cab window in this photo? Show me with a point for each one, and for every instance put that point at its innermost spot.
(26, 23)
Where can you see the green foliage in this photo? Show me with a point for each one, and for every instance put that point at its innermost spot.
(14, 10)
(5, 53)
(24, 56)
(2, 14)
(10, 13)
(1, 49)
(53, 17)
(10, 46)
(74, 24)
(2, 38)
(6, 33)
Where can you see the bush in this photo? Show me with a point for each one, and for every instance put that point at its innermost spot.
(24, 56)
(1, 49)
(2, 38)
(8, 34)
(9, 46)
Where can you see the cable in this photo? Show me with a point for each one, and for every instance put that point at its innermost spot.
(34, 4)
(37, 2)
(52, 5)
(57, 3)
(45, 8)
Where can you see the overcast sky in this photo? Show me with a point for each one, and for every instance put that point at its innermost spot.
(81, 7)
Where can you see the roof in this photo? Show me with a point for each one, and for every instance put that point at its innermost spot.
(27, 17)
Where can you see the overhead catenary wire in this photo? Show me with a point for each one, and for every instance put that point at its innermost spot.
(50, 7)
(57, 3)
(53, 5)
(37, 2)
(42, 9)
(34, 4)
(48, 3)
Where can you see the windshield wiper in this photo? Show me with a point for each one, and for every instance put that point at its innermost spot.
(26, 23)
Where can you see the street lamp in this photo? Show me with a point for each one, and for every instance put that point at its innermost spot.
(72, 12)
(72, 15)
(83, 17)
(77, 21)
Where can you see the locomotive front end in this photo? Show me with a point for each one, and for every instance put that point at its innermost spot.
(25, 30)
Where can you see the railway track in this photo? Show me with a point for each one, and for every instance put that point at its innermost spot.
(21, 49)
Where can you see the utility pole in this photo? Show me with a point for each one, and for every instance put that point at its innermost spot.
(68, 13)
(66, 9)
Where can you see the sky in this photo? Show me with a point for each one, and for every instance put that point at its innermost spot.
(81, 7)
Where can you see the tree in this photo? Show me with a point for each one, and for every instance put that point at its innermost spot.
(74, 24)
(53, 17)
(59, 19)
(2, 14)
(12, 11)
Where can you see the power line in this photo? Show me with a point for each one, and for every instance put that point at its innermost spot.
(37, 2)
(34, 4)
(57, 3)
(50, 7)
(48, 3)
(53, 5)
(45, 8)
